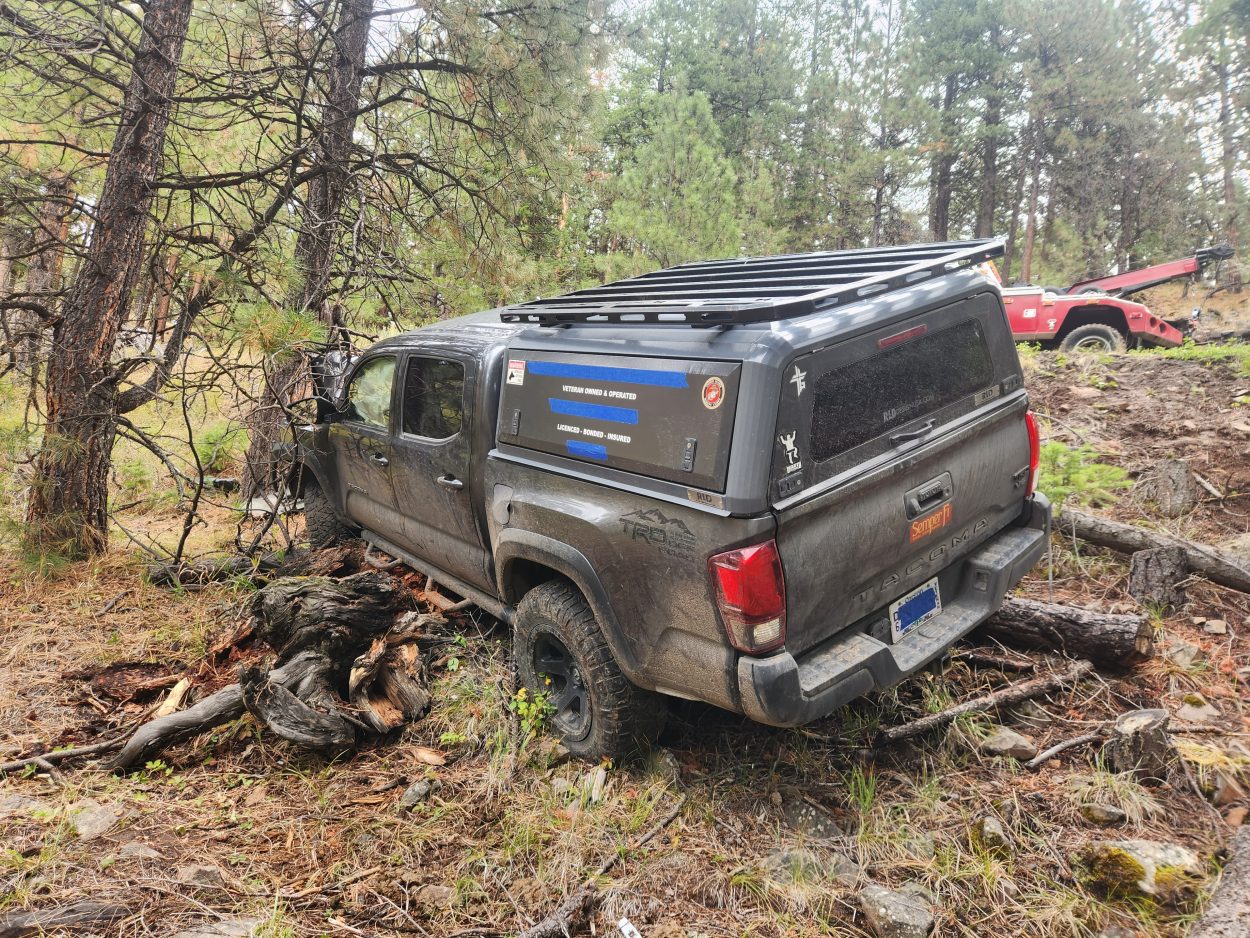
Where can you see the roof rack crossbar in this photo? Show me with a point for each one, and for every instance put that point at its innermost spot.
(754, 289)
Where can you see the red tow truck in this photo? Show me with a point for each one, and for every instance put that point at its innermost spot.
(1094, 314)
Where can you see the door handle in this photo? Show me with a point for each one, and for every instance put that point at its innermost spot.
(379, 459)
(912, 434)
(450, 482)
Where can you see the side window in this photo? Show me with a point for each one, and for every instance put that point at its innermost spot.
(369, 394)
(433, 397)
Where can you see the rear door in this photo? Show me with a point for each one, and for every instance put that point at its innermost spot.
(897, 452)
(361, 441)
(432, 454)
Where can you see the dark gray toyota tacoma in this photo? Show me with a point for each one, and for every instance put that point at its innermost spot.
(773, 484)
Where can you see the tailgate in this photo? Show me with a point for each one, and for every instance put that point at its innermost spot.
(898, 452)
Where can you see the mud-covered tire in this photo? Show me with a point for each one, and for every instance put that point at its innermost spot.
(321, 524)
(1094, 337)
(615, 718)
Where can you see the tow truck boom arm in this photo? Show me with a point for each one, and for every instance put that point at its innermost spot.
(1134, 280)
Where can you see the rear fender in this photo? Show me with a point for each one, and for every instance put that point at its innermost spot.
(515, 546)
(1089, 314)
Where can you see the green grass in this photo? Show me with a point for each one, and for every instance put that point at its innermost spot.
(1235, 353)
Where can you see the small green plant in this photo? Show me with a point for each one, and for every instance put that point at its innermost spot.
(1075, 475)
(533, 710)
(219, 446)
(861, 789)
(452, 738)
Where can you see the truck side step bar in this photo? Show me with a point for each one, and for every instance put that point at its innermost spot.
(496, 608)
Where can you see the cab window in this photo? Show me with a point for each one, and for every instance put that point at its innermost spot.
(433, 405)
(369, 394)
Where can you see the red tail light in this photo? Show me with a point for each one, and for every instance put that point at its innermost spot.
(1035, 452)
(751, 594)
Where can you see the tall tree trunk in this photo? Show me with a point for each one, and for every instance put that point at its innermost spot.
(991, 123)
(1228, 161)
(68, 504)
(43, 271)
(1030, 222)
(943, 164)
(1014, 226)
(320, 227)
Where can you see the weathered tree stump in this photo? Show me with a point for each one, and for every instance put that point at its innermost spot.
(1155, 577)
(345, 674)
(1172, 486)
(1139, 743)
(1109, 641)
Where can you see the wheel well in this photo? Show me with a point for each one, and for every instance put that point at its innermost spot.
(297, 479)
(1101, 315)
(521, 576)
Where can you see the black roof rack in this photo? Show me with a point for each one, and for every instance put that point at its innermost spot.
(754, 289)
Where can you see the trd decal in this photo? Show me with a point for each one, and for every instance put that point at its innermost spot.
(923, 527)
(668, 535)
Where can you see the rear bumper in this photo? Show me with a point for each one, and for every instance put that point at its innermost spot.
(784, 691)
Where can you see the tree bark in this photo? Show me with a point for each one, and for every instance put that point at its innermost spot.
(1227, 914)
(68, 505)
(943, 165)
(1215, 565)
(1155, 576)
(1109, 641)
(1030, 222)
(320, 228)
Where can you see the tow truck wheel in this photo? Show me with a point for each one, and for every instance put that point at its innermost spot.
(1094, 337)
(322, 526)
(564, 664)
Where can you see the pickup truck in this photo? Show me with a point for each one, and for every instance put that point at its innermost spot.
(771, 484)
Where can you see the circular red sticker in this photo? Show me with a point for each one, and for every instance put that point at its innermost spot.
(713, 393)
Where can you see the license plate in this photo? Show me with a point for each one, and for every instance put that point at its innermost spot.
(916, 608)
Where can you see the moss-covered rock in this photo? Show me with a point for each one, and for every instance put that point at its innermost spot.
(1167, 872)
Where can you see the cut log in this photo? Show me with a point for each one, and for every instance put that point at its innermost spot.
(1109, 641)
(1012, 694)
(1217, 566)
(1227, 914)
(1155, 578)
(331, 636)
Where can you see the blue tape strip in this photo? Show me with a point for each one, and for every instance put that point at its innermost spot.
(587, 450)
(659, 379)
(593, 411)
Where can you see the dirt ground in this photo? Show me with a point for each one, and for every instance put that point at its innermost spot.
(778, 830)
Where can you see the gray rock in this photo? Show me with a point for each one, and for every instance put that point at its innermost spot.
(13, 805)
(1005, 742)
(1181, 653)
(801, 865)
(808, 820)
(230, 928)
(1166, 872)
(989, 835)
(415, 794)
(896, 913)
(561, 787)
(90, 819)
(440, 897)
(1139, 743)
(594, 785)
(1105, 815)
(134, 850)
(1215, 627)
(1197, 709)
(202, 876)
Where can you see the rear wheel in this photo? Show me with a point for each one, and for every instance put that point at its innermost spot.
(1094, 337)
(322, 525)
(561, 654)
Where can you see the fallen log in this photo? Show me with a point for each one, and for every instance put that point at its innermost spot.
(1012, 694)
(1227, 914)
(40, 921)
(1216, 565)
(330, 635)
(1108, 640)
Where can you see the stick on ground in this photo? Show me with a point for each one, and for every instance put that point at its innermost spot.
(1012, 694)
(1047, 754)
